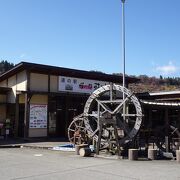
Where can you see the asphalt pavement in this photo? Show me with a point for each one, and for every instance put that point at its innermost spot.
(41, 143)
(41, 164)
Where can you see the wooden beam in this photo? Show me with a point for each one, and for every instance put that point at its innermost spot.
(27, 106)
(16, 115)
(26, 115)
(167, 141)
(49, 85)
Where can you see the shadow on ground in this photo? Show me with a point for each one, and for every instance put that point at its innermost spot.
(17, 142)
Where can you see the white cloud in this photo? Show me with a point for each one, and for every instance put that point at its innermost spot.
(167, 69)
(22, 55)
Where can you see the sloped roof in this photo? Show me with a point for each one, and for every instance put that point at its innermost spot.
(54, 70)
(162, 96)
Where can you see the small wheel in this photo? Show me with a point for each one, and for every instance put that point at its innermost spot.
(77, 133)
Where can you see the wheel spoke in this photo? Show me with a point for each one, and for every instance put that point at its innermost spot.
(130, 115)
(71, 129)
(120, 106)
(95, 132)
(104, 106)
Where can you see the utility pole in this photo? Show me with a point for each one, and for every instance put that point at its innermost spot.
(123, 45)
(123, 56)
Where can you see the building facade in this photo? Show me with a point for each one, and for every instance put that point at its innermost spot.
(40, 101)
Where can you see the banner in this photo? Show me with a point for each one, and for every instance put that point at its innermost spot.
(38, 116)
(71, 84)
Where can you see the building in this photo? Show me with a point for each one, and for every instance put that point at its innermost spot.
(161, 109)
(161, 119)
(40, 101)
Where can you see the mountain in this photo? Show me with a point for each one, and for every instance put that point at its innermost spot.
(154, 84)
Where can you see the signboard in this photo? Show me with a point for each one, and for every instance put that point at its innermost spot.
(71, 84)
(38, 116)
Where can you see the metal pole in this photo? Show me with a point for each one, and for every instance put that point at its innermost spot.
(123, 55)
(123, 44)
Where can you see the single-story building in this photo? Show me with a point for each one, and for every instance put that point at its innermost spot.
(161, 119)
(40, 100)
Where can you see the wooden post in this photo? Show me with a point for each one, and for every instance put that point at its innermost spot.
(78, 147)
(27, 106)
(99, 138)
(26, 115)
(16, 115)
(167, 143)
(67, 105)
(48, 104)
(117, 142)
(84, 152)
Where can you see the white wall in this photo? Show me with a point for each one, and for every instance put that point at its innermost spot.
(21, 81)
(16, 82)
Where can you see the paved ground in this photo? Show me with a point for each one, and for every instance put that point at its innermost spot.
(39, 164)
(34, 143)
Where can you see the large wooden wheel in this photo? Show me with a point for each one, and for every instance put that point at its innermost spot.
(108, 102)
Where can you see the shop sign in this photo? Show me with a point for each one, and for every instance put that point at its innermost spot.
(38, 116)
(71, 84)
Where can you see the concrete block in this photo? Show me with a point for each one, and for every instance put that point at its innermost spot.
(152, 154)
(133, 154)
(178, 156)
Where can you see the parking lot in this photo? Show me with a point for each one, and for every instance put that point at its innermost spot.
(27, 163)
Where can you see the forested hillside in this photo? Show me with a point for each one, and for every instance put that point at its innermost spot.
(5, 66)
(154, 84)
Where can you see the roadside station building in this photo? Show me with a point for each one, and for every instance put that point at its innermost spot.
(40, 101)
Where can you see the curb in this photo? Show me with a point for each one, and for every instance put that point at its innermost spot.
(9, 146)
(24, 146)
(36, 147)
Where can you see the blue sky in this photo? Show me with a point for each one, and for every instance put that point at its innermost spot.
(86, 34)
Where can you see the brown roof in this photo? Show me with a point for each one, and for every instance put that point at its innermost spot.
(163, 96)
(54, 70)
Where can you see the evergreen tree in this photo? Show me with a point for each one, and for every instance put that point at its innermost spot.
(5, 66)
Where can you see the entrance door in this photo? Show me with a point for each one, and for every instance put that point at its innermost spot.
(62, 110)
(75, 107)
(60, 116)
(52, 117)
